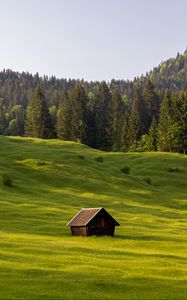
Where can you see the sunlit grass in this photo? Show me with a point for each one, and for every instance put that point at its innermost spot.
(39, 259)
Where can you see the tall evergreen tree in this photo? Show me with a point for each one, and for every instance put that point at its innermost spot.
(102, 112)
(64, 118)
(38, 121)
(72, 115)
(79, 101)
(3, 121)
(166, 125)
(151, 105)
(117, 114)
(135, 122)
(180, 121)
(124, 144)
(91, 125)
(53, 117)
(28, 126)
(152, 138)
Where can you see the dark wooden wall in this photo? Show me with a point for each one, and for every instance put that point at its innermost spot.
(79, 230)
(93, 230)
(108, 230)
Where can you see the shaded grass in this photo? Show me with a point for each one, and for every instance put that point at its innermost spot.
(39, 259)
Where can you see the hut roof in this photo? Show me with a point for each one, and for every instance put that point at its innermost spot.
(86, 215)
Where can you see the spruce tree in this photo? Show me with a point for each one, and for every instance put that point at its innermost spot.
(91, 125)
(124, 143)
(72, 115)
(53, 117)
(151, 143)
(79, 101)
(135, 121)
(117, 113)
(64, 118)
(165, 125)
(103, 121)
(151, 105)
(3, 121)
(29, 121)
(38, 121)
(180, 119)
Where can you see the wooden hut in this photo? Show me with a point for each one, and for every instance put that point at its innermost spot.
(93, 221)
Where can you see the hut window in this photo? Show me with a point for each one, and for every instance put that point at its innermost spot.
(101, 223)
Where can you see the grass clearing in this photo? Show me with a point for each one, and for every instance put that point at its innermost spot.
(39, 259)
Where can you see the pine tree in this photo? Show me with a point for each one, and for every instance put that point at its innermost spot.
(166, 125)
(91, 125)
(117, 119)
(79, 101)
(151, 144)
(53, 117)
(135, 121)
(72, 115)
(38, 121)
(180, 121)
(151, 105)
(102, 114)
(3, 121)
(124, 143)
(28, 121)
(64, 118)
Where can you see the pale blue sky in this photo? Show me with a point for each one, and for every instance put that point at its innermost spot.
(90, 39)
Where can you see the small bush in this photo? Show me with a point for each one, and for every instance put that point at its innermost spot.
(99, 159)
(147, 180)
(81, 156)
(173, 170)
(125, 170)
(41, 163)
(7, 180)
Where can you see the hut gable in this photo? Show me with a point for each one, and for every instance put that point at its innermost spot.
(93, 221)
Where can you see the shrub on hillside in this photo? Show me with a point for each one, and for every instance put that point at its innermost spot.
(81, 157)
(125, 170)
(99, 159)
(6, 180)
(147, 180)
(41, 163)
(173, 170)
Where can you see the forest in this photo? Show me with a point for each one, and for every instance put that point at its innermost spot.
(148, 113)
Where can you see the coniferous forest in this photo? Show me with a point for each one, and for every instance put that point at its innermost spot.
(146, 114)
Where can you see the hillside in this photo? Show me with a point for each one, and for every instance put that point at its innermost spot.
(170, 74)
(17, 88)
(52, 180)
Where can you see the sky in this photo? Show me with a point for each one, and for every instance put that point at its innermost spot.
(90, 39)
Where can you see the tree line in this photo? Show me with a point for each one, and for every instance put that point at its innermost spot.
(147, 113)
(106, 121)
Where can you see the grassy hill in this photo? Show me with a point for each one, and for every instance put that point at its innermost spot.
(39, 259)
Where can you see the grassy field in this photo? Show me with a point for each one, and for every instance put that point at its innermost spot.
(39, 259)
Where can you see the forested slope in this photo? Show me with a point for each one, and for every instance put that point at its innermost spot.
(118, 115)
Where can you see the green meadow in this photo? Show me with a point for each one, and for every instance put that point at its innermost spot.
(52, 180)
